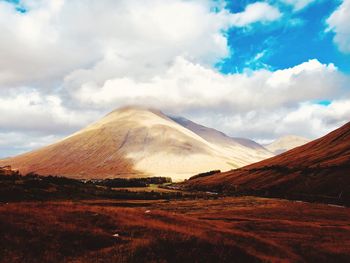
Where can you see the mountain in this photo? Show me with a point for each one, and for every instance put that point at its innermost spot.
(286, 143)
(215, 136)
(244, 150)
(134, 141)
(318, 170)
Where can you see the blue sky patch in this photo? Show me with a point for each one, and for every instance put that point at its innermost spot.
(293, 39)
(19, 7)
(324, 102)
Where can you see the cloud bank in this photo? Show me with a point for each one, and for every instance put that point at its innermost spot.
(63, 64)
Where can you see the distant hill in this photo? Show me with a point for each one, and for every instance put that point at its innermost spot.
(286, 143)
(318, 170)
(136, 142)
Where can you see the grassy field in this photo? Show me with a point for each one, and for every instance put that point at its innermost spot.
(150, 188)
(241, 229)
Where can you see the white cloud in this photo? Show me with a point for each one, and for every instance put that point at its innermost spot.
(188, 86)
(27, 110)
(122, 37)
(298, 4)
(55, 37)
(339, 22)
(306, 119)
(256, 12)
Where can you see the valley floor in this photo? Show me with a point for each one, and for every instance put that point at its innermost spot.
(230, 229)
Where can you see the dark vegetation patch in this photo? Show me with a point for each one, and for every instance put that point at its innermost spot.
(16, 187)
(131, 182)
(204, 174)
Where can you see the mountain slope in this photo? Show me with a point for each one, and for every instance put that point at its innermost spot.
(244, 149)
(133, 141)
(318, 170)
(216, 136)
(286, 143)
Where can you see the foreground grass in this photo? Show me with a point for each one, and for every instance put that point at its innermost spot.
(242, 229)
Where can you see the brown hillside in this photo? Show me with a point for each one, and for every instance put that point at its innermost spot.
(316, 171)
(85, 155)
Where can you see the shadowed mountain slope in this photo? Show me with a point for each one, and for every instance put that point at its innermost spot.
(318, 171)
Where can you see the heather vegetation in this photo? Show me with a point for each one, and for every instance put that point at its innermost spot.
(241, 229)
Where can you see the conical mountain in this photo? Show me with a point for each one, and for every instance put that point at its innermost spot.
(134, 141)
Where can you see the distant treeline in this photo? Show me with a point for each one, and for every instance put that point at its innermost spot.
(131, 182)
(6, 170)
(16, 187)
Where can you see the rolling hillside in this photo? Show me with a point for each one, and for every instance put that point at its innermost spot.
(317, 171)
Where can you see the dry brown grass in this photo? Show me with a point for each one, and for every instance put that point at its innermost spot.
(224, 230)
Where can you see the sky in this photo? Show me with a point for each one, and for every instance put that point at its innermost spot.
(254, 69)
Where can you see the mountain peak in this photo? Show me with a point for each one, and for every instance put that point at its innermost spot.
(135, 109)
(133, 112)
(139, 115)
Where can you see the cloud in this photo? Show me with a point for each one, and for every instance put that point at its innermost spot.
(256, 12)
(307, 119)
(298, 4)
(339, 22)
(54, 38)
(27, 110)
(190, 86)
